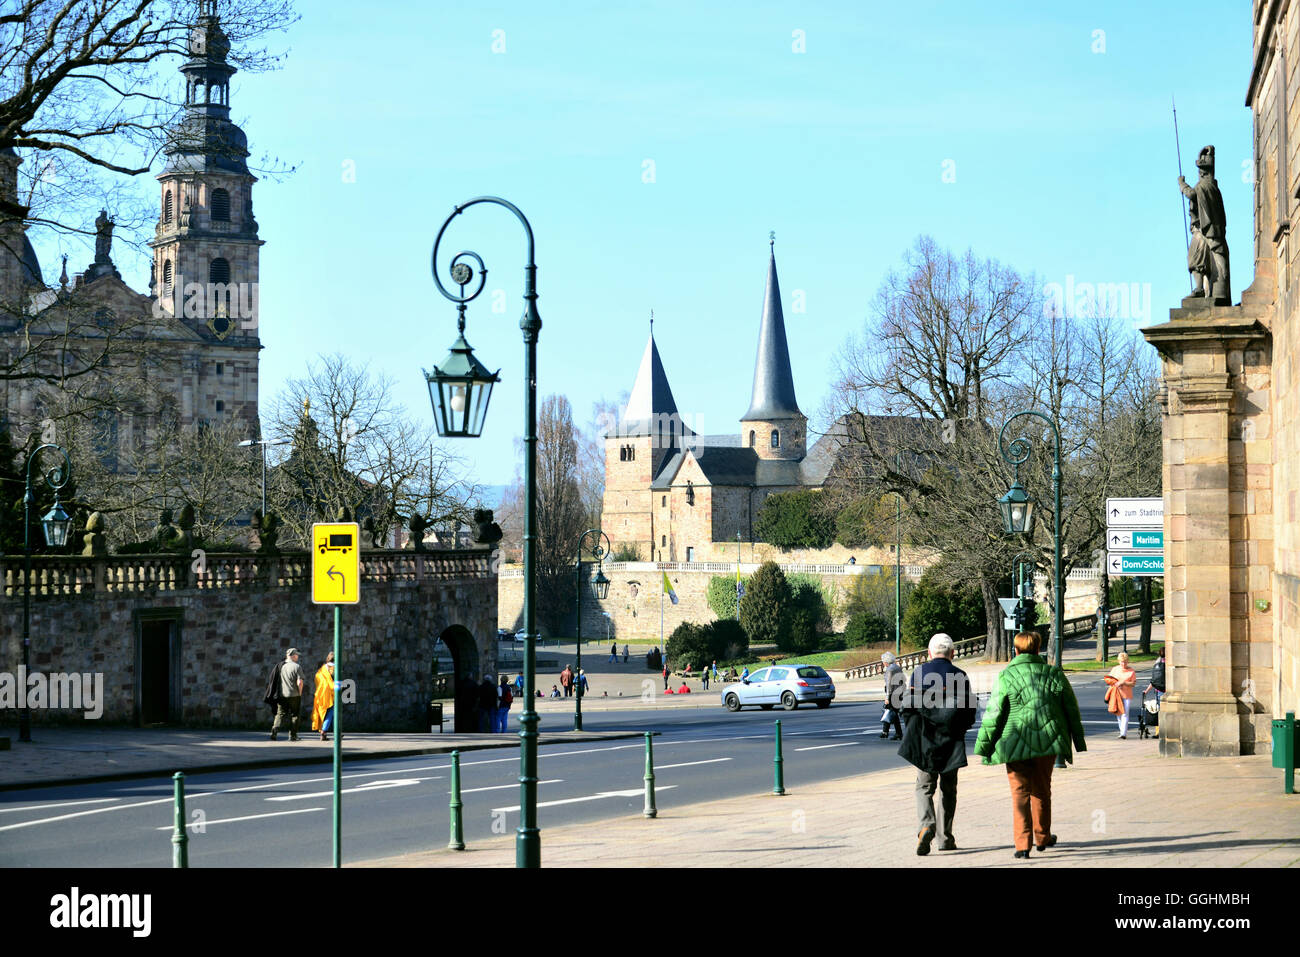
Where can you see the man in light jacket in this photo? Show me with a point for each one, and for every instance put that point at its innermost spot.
(938, 706)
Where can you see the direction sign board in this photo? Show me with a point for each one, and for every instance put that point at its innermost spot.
(335, 563)
(1139, 539)
(1135, 512)
(1135, 564)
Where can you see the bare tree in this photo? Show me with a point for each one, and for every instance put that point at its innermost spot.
(353, 447)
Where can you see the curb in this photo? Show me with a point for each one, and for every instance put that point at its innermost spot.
(585, 736)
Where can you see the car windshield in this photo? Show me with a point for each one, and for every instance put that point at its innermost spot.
(811, 671)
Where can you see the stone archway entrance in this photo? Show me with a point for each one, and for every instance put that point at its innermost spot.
(463, 677)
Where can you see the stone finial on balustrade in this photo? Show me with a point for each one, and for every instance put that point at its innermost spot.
(96, 543)
(486, 531)
(417, 524)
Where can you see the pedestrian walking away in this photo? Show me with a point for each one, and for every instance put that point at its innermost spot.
(322, 709)
(938, 707)
(613, 654)
(583, 687)
(1032, 718)
(1157, 683)
(1119, 692)
(505, 698)
(487, 704)
(895, 686)
(665, 676)
(289, 702)
(704, 676)
(625, 652)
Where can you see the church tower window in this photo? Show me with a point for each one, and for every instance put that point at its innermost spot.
(167, 277)
(219, 271)
(221, 406)
(220, 206)
(752, 437)
(167, 206)
(776, 438)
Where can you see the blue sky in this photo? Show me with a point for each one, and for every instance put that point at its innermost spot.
(1057, 142)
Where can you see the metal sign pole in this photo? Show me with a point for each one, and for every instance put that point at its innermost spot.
(338, 742)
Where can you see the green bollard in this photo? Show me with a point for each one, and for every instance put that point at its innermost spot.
(180, 837)
(457, 842)
(778, 783)
(650, 810)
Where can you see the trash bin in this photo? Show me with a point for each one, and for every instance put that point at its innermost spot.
(1285, 735)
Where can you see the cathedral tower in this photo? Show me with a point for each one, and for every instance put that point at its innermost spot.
(20, 272)
(206, 240)
(774, 427)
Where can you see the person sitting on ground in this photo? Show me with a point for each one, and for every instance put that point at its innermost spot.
(555, 692)
(684, 689)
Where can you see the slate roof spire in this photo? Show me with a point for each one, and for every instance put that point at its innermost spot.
(773, 395)
(650, 407)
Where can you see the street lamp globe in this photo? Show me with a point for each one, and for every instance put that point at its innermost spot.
(57, 525)
(600, 585)
(1017, 510)
(460, 389)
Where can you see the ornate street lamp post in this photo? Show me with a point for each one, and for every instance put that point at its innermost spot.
(56, 526)
(459, 391)
(1018, 510)
(599, 588)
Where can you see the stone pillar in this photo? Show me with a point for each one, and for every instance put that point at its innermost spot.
(1207, 556)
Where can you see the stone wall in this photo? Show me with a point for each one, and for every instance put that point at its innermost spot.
(237, 619)
(633, 602)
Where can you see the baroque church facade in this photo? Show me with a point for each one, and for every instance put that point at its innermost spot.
(672, 495)
(192, 338)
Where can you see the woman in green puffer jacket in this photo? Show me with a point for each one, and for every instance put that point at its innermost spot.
(1032, 717)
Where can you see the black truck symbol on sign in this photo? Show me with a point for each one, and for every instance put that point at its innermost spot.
(336, 543)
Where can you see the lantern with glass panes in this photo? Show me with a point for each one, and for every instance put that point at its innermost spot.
(461, 387)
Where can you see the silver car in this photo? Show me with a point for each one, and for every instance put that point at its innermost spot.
(786, 685)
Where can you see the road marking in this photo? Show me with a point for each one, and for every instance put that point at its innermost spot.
(631, 792)
(43, 807)
(503, 787)
(820, 747)
(251, 817)
(359, 789)
(687, 764)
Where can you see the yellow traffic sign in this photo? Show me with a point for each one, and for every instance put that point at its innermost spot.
(335, 563)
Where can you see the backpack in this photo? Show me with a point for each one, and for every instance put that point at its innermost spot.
(507, 699)
(273, 688)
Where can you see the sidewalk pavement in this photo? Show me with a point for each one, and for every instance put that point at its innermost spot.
(1122, 805)
(70, 755)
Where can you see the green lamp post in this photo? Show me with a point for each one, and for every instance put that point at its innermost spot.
(599, 588)
(460, 390)
(56, 526)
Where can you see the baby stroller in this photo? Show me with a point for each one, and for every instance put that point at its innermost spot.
(1148, 715)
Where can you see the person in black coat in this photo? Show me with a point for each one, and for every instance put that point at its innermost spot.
(938, 707)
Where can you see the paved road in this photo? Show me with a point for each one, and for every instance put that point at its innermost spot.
(281, 816)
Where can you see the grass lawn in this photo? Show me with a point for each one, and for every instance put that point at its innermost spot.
(1134, 658)
(840, 660)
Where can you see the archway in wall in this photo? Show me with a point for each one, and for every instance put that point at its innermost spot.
(464, 676)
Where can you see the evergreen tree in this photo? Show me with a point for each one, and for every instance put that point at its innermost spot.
(765, 609)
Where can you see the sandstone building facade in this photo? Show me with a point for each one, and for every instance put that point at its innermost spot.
(1232, 451)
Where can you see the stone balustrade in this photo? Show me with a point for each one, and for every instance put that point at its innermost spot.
(55, 576)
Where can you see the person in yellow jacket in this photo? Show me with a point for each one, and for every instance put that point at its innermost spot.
(322, 710)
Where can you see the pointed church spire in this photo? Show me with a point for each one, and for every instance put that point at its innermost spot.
(773, 395)
(651, 398)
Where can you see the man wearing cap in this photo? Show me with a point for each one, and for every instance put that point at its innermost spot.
(290, 701)
(939, 707)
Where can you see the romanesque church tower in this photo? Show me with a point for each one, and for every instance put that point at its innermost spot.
(774, 427)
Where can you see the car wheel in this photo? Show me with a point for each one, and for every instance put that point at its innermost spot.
(732, 703)
(823, 704)
(789, 701)
(766, 707)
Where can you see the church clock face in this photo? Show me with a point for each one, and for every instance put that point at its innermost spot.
(220, 326)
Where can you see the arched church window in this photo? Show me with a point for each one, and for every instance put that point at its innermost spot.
(776, 438)
(167, 277)
(220, 206)
(752, 437)
(167, 206)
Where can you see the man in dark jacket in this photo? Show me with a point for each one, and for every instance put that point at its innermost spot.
(939, 707)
